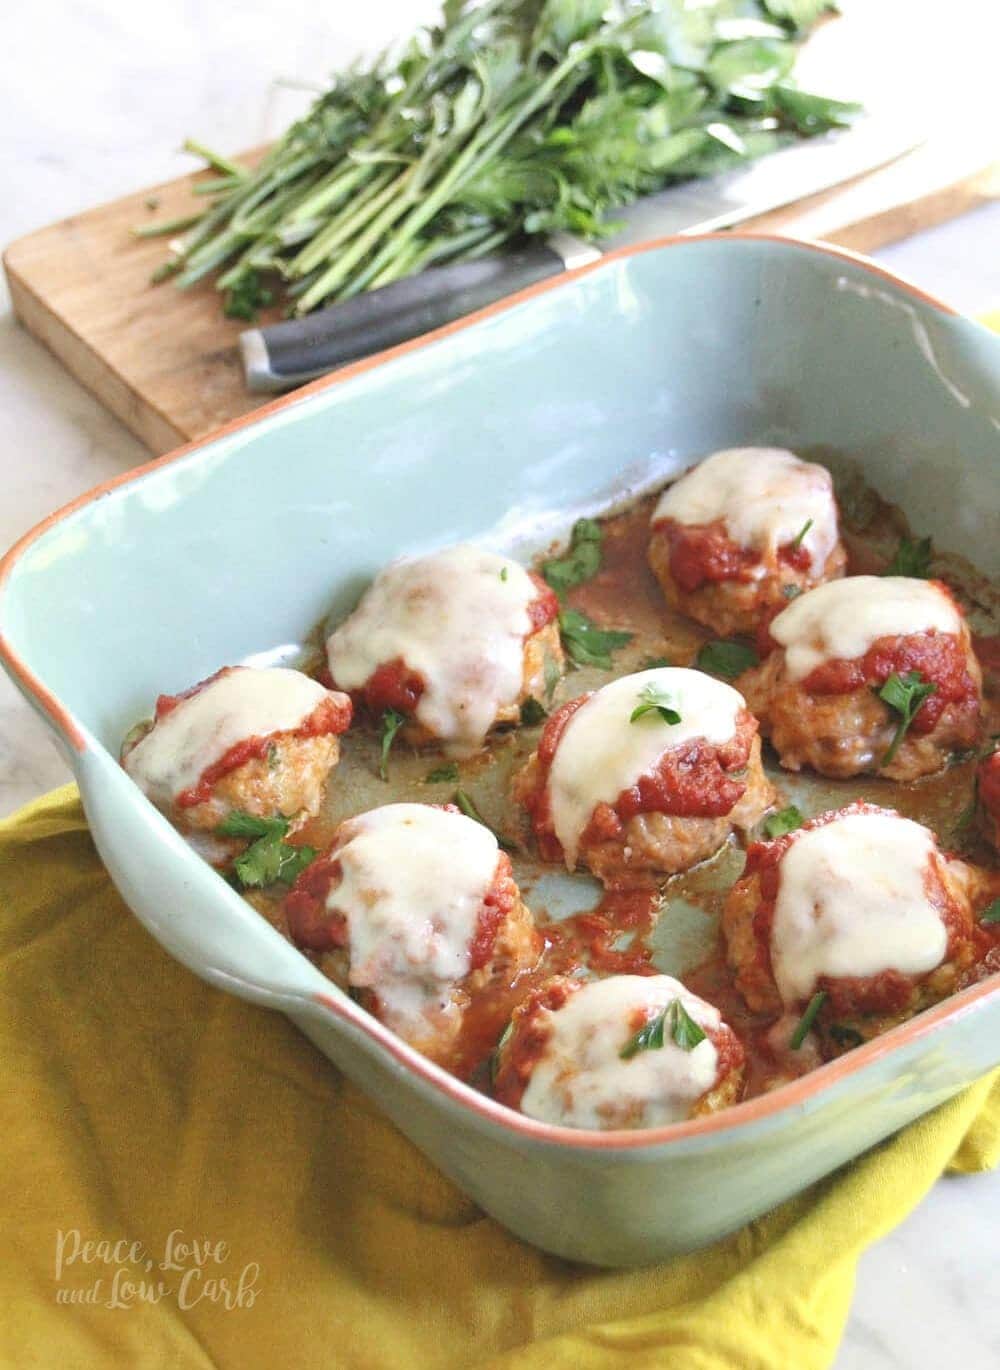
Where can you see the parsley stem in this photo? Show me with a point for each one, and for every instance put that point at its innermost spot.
(806, 1021)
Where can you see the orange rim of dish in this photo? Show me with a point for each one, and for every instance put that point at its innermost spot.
(765, 1106)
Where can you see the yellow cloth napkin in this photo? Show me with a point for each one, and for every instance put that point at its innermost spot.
(297, 1226)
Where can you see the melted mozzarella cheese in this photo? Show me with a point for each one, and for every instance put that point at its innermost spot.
(842, 619)
(602, 753)
(851, 901)
(459, 619)
(241, 704)
(581, 1080)
(412, 884)
(764, 495)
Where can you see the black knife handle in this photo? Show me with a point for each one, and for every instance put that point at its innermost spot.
(287, 354)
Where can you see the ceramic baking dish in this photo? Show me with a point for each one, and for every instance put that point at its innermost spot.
(502, 429)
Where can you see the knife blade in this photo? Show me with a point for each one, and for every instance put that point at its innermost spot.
(283, 355)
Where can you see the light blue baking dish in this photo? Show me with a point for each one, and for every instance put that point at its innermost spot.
(567, 398)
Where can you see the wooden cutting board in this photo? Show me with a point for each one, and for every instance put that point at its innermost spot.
(165, 361)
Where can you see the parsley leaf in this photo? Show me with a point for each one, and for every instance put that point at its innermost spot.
(582, 561)
(806, 1021)
(728, 659)
(791, 591)
(683, 1028)
(502, 1041)
(466, 805)
(654, 663)
(845, 1036)
(797, 543)
(552, 674)
(245, 298)
(440, 774)
(392, 721)
(238, 823)
(585, 643)
(785, 820)
(912, 558)
(991, 913)
(533, 712)
(650, 1037)
(503, 573)
(905, 694)
(654, 699)
(269, 859)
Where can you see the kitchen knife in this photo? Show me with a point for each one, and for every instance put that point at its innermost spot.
(284, 355)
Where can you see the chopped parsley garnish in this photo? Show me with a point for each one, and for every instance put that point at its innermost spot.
(441, 774)
(653, 698)
(807, 1020)
(582, 561)
(532, 712)
(991, 913)
(912, 558)
(495, 1057)
(845, 1036)
(797, 543)
(728, 659)
(503, 573)
(552, 674)
(269, 860)
(585, 643)
(650, 1037)
(791, 591)
(392, 721)
(785, 820)
(466, 805)
(655, 663)
(245, 298)
(904, 693)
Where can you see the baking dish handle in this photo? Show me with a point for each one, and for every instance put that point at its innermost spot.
(183, 902)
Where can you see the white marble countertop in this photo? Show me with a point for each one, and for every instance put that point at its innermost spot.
(99, 109)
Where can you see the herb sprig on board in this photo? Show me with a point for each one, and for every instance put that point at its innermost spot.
(509, 117)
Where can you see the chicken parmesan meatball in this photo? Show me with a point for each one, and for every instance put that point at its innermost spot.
(739, 534)
(648, 775)
(988, 791)
(455, 641)
(872, 675)
(415, 910)
(860, 907)
(262, 741)
(631, 1051)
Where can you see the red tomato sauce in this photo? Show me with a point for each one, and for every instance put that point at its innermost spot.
(532, 1028)
(704, 553)
(393, 685)
(695, 780)
(315, 927)
(331, 717)
(544, 609)
(886, 992)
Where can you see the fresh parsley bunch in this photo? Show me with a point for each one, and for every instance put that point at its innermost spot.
(510, 117)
